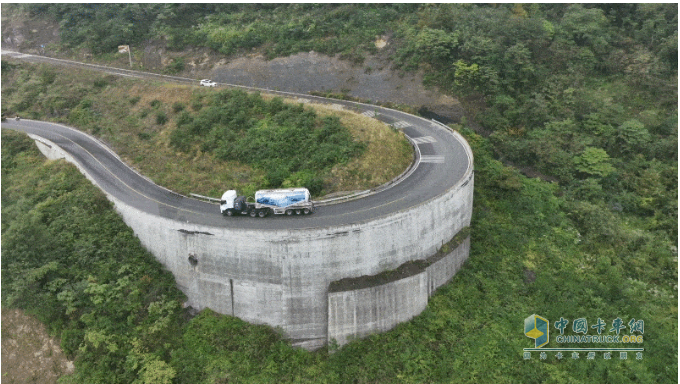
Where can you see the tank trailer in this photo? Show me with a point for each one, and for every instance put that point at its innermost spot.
(292, 201)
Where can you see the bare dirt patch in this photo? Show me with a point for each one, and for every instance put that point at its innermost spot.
(30, 35)
(29, 354)
(310, 71)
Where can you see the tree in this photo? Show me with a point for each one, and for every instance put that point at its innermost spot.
(594, 162)
(632, 137)
(586, 27)
(518, 67)
(436, 46)
(555, 146)
(466, 76)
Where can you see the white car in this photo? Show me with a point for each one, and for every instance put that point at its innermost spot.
(208, 83)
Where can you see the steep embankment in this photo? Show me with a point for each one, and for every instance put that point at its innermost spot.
(374, 79)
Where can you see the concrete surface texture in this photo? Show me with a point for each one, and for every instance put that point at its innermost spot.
(356, 313)
(281, 277)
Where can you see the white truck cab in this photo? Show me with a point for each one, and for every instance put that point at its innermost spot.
(227, 200)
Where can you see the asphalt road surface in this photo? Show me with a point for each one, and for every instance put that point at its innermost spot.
(441, 163)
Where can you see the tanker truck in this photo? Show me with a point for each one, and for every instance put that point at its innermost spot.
(292, 201)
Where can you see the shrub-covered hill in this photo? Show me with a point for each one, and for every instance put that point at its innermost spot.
(290, 144)
(583, 94)
(69, 259)
(205, 141)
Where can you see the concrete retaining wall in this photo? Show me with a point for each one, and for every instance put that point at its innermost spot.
(281, 277)
(442, 270)
(357, 313)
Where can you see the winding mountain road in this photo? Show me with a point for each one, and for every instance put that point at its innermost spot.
(442, 162)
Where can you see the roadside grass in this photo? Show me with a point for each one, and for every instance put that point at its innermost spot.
(371, 167)
(144, 144)
(136, 118)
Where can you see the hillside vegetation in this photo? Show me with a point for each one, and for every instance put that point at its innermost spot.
(205, 141)
(584, 96)
(69, 259)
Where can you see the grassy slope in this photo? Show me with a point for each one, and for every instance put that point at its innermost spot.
(125, 114)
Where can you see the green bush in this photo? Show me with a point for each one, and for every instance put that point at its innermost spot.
(161, 118)
(279, 138)
(306, 179)
(100, 83)
(48, 76)
(178, 107)
(196, 104)
(176, 66)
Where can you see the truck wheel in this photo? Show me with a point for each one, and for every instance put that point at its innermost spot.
(253, 213)
(262, 213)
(297, 211)
(306, 211)
(229, 212)
(289, 212)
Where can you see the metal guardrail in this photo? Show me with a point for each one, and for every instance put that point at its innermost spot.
(341, 199)
(204, 197)
(442, 124)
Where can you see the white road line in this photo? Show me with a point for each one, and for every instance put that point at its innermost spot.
(432, 159)
(369, 113)
(401, 124)
(424, 139)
